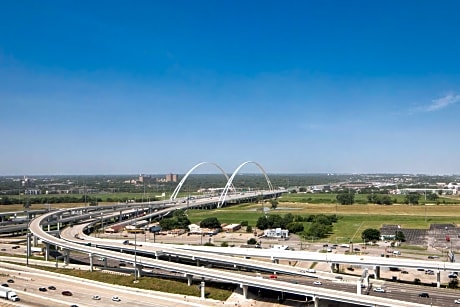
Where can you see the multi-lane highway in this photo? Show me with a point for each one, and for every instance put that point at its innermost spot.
(36, 228)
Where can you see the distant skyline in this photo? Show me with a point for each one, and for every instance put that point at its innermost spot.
(155, 87)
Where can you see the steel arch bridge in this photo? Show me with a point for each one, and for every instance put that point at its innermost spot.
(230, 181)
(229, 184)
(181, 183)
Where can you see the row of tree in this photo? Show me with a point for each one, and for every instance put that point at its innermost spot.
(348, 198)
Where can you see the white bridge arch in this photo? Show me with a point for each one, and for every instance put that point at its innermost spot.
(179, 186)
(230, 181)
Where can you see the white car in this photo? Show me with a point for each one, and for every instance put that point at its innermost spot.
(96, 297)
(379, 290)
(116, 299)
(457, 301)
(317, 283)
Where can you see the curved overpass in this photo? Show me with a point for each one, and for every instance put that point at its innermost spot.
(36, 227)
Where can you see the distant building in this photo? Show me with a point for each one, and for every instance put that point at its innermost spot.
(231, 227)
(171, 178)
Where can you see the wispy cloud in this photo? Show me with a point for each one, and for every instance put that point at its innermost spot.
(441, 103)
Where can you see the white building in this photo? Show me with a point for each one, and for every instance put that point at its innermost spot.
(276, 233)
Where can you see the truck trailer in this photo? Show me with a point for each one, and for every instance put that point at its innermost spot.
(9, 294)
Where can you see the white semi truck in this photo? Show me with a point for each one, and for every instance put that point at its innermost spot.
(9, 294)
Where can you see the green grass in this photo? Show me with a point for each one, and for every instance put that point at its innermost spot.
(330, 198)
(214, 290)
(352, 219)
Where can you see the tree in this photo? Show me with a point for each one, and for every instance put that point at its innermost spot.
(318, 230)
(210, 222)
(370, 234)
(295, 227)
(249, 228)
(262, 223)
(386, 200)
(252, 241)
(453, 283)
(412, 198)
(274, 203)
(399, 236)
(347, 198)
(432, 197)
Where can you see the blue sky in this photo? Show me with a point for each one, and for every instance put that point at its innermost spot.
(127, 87)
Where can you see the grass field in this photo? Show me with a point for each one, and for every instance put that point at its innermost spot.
(352, 221)
(213, 290)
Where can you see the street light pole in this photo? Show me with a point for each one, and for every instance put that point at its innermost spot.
(28, 241)
(135, 256)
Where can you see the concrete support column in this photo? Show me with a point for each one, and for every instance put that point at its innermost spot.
(332, 267)
(34, 240)
(58, 226)
(105, 262)
(315, 301)
(189, 279)
(358, 287)
(90, 256)
(245, 291)
(28, 249)
(274, 260)
(377, 272)
(49, 226)
(66, 256)
(47, 252)
(137, 270)
(198, 262)
(438, 279)
(202, 290)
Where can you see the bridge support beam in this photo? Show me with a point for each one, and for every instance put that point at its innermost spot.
(438, 279)
(315, 301)
(202, 290)
(189, 279)
(358, 287)
(47, 251)
(377, 272)
(66, 256)
(245, 291)
(90, 256)
(335, 268)
(28, 249)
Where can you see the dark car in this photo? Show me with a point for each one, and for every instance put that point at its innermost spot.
(5, 285)
(51, 288)
(42, 289)
(10, 281)
(424, 294)
(66, 293)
